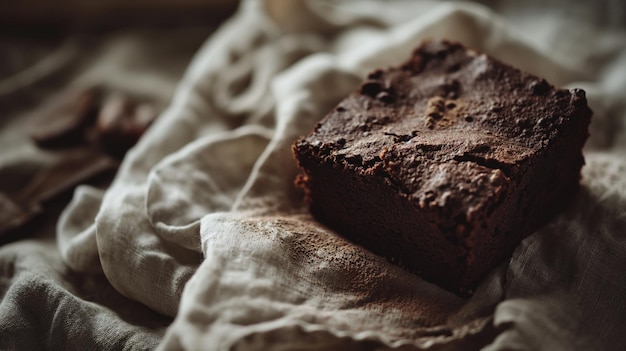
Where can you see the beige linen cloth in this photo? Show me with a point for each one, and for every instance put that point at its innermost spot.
(203, 223)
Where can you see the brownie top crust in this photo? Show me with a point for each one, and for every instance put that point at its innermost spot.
(450, 129)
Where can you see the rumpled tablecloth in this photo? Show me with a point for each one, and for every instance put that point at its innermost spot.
(203, 243)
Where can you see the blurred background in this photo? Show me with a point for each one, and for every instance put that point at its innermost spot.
(113, 13)
(47, 35)
(79, 83)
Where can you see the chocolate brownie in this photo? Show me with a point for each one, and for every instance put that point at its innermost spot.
(445, 163)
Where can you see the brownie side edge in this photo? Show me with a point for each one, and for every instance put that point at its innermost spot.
(525, 146)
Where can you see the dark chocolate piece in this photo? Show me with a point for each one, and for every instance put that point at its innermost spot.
(73, 168)
(445, 163)
(62, 120)
(122, 121)
(67, 120)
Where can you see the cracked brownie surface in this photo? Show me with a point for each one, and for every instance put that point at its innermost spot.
(444, 163)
